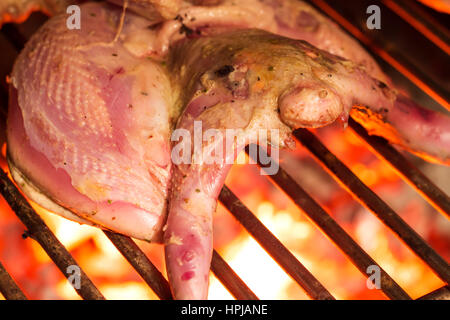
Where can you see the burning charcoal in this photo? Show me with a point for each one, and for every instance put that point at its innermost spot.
(93, 110)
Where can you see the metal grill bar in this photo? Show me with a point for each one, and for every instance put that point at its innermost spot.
(273, 246)
(230, 279)
(8, 286)
(39, 231)
(435, 196)
(335, 232)
(371, 201)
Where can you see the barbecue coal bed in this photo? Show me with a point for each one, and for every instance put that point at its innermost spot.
(416, 35)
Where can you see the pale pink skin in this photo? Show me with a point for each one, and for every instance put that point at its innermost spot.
(96, 117)
(19, 10)
(188, 237)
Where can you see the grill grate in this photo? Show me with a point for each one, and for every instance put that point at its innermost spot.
(369, 199)
(423, 84)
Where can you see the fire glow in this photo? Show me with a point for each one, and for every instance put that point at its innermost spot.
(116, 279)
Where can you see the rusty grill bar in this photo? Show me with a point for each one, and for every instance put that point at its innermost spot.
(425, 85)
(8, 287)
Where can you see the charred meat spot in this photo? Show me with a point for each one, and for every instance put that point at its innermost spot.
(186, 30)
(144, 93)
(270, 68)
(224, 71)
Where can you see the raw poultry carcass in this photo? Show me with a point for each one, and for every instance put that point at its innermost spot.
(92, 113)
(19, 10)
